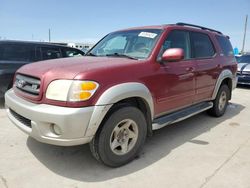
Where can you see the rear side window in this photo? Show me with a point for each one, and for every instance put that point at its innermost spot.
(16, 52)
(50, 53)
(201, 45)
(225, 45)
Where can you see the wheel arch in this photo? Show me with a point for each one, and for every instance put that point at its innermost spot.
(133, 93)
(228, 81)
(226, 77)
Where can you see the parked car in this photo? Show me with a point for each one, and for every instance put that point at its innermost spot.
(130, 83)
(14, 54)
(243, 72)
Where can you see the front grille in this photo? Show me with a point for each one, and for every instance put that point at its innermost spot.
(21, 119)
(28, 84)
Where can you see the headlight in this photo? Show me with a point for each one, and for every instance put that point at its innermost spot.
(71, 90)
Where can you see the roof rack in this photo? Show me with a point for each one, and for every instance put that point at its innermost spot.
(197, 26)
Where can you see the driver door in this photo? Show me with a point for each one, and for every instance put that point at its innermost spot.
(177, 88)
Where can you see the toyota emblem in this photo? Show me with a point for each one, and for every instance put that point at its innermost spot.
(21, 83)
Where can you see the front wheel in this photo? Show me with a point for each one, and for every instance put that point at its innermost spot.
(121, 137)
(220, 102)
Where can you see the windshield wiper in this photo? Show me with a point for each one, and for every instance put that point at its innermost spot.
(120, 55)
(90, 54)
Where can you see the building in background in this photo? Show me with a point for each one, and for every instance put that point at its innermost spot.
(81, 46)
(84, 46)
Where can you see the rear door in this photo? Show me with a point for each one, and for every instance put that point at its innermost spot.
(203, 52)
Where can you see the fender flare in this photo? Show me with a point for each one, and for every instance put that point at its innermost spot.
(113, 95)
(223, 75)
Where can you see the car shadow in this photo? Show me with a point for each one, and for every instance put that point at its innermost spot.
(2, 103)
(77, 163)
(243, 86)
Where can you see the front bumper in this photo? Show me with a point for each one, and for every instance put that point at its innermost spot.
(72, 123)
(243, 79)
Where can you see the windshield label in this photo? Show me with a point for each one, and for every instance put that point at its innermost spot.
(147, 35)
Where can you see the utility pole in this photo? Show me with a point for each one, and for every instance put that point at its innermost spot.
(244, 38)
(49, 35)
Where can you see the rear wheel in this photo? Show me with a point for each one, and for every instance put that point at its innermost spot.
(220, 102)
(121, 137)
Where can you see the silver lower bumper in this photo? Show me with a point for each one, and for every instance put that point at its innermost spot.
(72, 123)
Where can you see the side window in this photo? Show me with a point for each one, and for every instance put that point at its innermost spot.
(16, 52)
(177, 39)
(32, 49)
(38, 56)
(225, 45)
(50, 53)
(72, 53)
(201, 45)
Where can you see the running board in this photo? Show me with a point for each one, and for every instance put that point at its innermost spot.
(180, 115)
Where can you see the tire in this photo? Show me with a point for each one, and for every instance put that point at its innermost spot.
(121, 137)
(221, 101)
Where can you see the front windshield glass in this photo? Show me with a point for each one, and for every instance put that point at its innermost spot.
(244, 59)
(134, 44)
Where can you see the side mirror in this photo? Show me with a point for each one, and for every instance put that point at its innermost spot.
(173, 54)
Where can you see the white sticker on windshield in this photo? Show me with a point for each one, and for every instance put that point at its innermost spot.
(147, 35)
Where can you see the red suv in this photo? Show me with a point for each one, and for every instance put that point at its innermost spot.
(130, 83)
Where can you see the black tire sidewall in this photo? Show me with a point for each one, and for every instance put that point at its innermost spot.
(107, 156)
(218, 112)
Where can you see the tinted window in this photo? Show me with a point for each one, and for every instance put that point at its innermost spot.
(11, 52)
(225, 45)
(201, 45)
(177, 39)
(68, 52)
(50, 53)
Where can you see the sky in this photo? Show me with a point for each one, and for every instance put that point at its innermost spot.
(89, 21)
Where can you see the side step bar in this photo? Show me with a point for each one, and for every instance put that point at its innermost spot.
(180, 115)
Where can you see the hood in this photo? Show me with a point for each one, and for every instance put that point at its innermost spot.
(244, 67)
(68, 68)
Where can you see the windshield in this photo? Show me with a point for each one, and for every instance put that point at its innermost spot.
(134, 44)
(244, 59)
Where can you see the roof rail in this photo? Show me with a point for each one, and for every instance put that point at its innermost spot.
(197, 26)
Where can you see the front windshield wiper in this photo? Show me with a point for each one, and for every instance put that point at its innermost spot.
(120, 55)
(90, 54)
